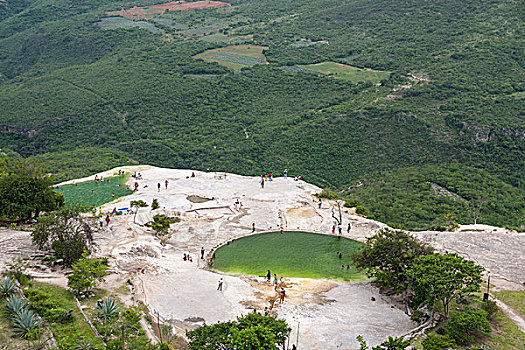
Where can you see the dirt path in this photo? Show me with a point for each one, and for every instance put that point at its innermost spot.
(513, 315)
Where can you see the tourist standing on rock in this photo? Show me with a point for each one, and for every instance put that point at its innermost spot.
(166, 184)
(333, 229)
(107, 220)
(349, 227)
(266, 311)
(219, 287)
(275, 280)
(158, 186)
(282, 295)
(268, 275)
(340, 229)
(101, 222)
(253, 227)
(202, 253)
(285, 174)
(320, 203)
(262, 183)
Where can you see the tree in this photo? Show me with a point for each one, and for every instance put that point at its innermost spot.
(25, 189)
(86, 274)
(161, 224)
(253, 331)
(66, 232)
(442, 277)
(388, 255)
(137, 204)
(464, 324)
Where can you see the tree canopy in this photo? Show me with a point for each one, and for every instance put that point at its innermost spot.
(250, 332)
(25, 189)
(388, 256)
(442, 277)
(66, 233)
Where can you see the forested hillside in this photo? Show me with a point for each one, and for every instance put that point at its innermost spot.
(84, 91)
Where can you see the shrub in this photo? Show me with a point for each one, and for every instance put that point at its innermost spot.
(464, 324)
(352, 203)
(491, 308)
(155, 204)
(59, 315)
(40, 300)
(438, 342)
(161, 224)
(327, 195)
(7, 287)
(418, 316)
(361, 210)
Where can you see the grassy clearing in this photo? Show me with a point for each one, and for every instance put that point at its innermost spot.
(292, 254)
(96, 193)
(346, 72)
(235, 57)
(514, 299)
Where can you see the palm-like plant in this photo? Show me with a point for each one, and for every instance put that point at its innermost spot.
(7, 287)
(107, 308)
(26, 323)
(14, 305)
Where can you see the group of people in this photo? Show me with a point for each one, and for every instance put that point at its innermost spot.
(339, 228)
(340, 256)
(187, 257)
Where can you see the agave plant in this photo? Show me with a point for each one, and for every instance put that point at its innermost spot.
(26, 323)
(108, 307)
(7, 287)
(14, 305)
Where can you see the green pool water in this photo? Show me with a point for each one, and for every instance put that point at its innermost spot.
(81, 192)
(291, 254)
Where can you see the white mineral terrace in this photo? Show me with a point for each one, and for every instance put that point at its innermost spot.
(330, 314)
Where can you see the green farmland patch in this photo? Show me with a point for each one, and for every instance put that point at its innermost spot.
(291, 254)
(346, 72)
(235, 57)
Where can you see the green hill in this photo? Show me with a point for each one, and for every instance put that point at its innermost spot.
(71, 87)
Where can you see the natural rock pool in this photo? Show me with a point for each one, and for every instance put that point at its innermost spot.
(290, 254)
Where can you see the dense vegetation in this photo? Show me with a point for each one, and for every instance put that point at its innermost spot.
(74, 94)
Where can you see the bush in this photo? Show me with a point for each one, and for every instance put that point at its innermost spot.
(352, 203)
(155, 204)
(59, 316)
(418, 316)
(491, 308)
(41, 301)
(327, 195)
(438, 342)
(360, 210)
(464, 324)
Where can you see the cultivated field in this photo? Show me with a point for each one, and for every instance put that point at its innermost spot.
(346, 72)
(148, 12)
(235, 57)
